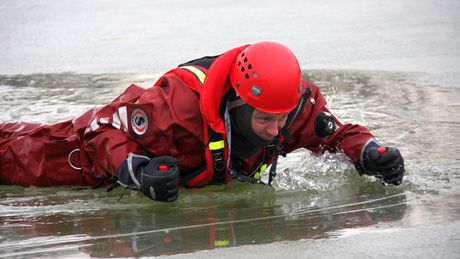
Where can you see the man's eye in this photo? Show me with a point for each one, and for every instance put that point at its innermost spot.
(264, 119)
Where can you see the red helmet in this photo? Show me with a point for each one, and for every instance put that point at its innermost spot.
(267, 76)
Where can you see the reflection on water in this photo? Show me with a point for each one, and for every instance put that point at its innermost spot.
(315, 197)
(92, 222)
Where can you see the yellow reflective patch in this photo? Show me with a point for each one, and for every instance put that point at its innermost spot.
(263, 167)
(259, 172)
(216, 145)
(200, 75)
(221, 243)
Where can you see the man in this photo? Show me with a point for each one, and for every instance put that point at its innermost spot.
(205, 122)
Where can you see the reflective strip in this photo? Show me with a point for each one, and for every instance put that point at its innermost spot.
(104, 120)
(216, 145)
(263, 167)
(131, 171)
(123, 114)
(221, 243)
(94, 125)
(259, 172)
(197, 72)
(116, 120)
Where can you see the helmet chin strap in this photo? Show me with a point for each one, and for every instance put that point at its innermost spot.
(279, 150)
(228, 129)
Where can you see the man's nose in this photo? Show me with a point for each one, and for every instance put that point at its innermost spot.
(273, 129)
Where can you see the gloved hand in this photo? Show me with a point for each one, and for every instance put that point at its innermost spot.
(385, 163)
(157, 178)
(160, 179)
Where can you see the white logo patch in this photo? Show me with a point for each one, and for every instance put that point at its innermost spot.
(139, 122)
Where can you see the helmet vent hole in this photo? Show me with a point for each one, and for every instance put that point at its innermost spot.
(249, 66)
(246, 76)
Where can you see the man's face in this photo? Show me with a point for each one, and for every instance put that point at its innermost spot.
(267, 125)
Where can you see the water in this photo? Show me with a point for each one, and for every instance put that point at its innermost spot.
(389, 65)
(315, 197)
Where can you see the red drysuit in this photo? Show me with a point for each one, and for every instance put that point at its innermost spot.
(170, 118)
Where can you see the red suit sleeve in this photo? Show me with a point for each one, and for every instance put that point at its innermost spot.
(107, 142)
(164, 120)
(347, 138)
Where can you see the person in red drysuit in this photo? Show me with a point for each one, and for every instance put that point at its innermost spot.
(208, 121)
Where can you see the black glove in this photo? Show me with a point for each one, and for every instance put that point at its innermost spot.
(160, 179)
(157, 178)
(385, 163)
